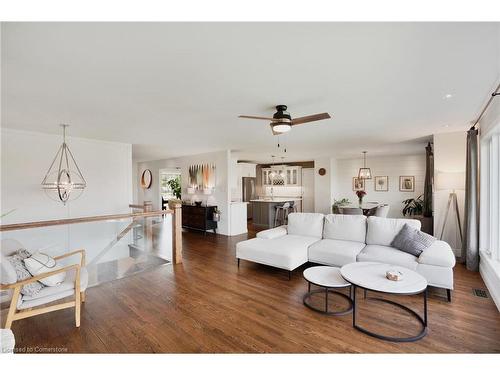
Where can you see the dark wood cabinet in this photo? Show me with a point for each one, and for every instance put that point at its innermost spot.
(199, 217)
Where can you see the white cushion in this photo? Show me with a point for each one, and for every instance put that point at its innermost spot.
(44, 300)
(273, 233)
(287, 252)
(67, 284)
(438, 254)
(335, 252)
(387, 254)
(381, 231)
(441, 277)
(305, 224)
(7, 271)
(345, 227)
(40, 263)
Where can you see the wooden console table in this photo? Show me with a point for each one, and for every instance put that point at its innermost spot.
(199, 217)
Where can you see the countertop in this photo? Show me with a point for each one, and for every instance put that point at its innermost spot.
(276, 200)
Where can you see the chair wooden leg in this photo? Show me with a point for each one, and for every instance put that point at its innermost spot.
(82, 297)
(13, 307)
(77, 298)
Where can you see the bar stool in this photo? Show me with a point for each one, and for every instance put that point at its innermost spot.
(281, 214)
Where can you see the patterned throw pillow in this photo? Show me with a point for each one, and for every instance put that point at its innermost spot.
(412, 241)
(22, 273)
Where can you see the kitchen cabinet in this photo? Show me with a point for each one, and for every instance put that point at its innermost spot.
(292, 176)
(247, 170)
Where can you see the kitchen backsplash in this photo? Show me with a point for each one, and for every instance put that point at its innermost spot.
(284, 191)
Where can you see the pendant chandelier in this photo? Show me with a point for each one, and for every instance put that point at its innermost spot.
(64, 181)
(272, 174)
(365, 173)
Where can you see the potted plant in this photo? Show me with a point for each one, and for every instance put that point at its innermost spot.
(216, 215)
(175, 185)
(360, 194)
(413, 206)
(339, 203)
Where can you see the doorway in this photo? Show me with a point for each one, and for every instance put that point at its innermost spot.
(170, 186)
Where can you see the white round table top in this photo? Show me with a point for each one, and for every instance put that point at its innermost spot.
(325, 276)
(371, 275)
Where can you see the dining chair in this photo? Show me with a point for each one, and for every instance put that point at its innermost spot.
(352, 211)
(382, 211)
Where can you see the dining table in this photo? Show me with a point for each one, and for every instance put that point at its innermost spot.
(367, 207)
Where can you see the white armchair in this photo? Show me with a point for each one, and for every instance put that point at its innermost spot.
(21, 307)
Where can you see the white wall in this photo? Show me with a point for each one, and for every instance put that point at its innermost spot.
(221, 193)
(107, 168)
(392, 166)
(449, 156)
(323, 194)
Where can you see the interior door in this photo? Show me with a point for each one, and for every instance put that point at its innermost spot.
(307, 189)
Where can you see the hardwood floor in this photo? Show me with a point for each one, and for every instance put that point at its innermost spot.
(208, 305)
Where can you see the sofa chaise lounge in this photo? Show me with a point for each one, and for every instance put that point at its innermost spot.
(337, 240)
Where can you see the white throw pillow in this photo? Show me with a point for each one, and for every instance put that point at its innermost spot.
(40, 263)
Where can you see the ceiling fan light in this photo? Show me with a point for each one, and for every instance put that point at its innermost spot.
(281, 128)
(365, 173)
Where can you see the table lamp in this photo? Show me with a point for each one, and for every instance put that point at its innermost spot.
(451, 181)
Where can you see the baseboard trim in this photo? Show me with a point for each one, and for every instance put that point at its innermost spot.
(491, 278)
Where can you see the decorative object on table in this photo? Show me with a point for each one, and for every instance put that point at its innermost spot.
(322, 171)
(175, 185)
(358, 184)
(413, 206)
(146, 179)
(381, 183)
(407, 183)
(198, 203)
(202, 177)
(451, 181)
(216, 215)
(394, 275)
(338, 203)
(365, 173)
(64, 180)
(360, 194)
(412, 241)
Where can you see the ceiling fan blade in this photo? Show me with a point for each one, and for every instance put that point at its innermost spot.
(311, 118)
(258, 118)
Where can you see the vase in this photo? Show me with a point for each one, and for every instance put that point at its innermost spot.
(360, 200)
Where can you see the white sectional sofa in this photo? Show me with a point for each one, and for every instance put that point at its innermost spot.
(337, 240)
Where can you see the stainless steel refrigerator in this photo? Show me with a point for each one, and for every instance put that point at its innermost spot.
(248, 186)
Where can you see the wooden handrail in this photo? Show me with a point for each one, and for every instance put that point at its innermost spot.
(78, 220)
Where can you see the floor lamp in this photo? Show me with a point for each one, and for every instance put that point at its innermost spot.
(451, 181)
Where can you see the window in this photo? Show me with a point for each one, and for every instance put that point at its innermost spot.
(490, 195)
(166, 190)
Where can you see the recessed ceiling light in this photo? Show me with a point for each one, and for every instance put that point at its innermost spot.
(446, 126)
(448, 96)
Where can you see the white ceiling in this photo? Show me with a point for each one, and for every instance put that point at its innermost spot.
(175, 89)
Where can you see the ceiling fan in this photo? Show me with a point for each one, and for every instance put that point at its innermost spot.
(282, 122)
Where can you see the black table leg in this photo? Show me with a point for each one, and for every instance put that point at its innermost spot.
(354, 306)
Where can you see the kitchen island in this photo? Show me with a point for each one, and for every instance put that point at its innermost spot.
(264, 210)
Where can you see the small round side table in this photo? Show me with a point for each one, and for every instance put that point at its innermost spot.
(327, 278)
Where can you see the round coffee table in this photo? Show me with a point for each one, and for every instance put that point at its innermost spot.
(327, 278)
(371, 276)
